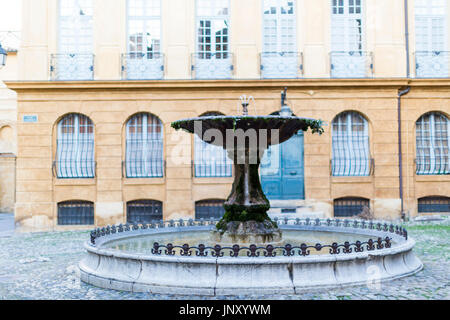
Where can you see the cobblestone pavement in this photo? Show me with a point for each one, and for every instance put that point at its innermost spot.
(44, 266)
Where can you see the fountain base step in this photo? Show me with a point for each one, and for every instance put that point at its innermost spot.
(249, 232)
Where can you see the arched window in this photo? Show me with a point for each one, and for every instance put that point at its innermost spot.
(432, 137)
(207, 209)
(211, 160)
(350, 207)
(75, 213)
(434, 205)
(144, 211)
(75, 147)
(351, 152)
(144, 147)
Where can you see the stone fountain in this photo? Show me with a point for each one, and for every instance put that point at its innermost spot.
(246, 252)
(246, 138)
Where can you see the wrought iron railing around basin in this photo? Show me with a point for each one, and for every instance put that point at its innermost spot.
(288, 250)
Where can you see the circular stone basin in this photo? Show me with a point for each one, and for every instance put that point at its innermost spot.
(179, 258)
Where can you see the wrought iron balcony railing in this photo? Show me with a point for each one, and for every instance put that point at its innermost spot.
(140, 169)
(71, 66)
(212, 169)
(209, 65)
(281, 65)
(432, 64)
(426, 165)
(351, 64)
(341, 167)
(74, 169)
(143, 66)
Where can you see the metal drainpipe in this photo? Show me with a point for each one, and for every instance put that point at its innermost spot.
(407, 40)
(400, 158)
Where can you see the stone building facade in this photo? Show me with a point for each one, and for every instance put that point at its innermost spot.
(133, 67)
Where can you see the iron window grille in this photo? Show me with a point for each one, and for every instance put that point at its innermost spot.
(350, 145)
(72, 66)
(144, 211)
(74, 60)
(351, 64)
(144, 59)
(212, 65)
(434, 205)
(144, 147)
(75, 152)
(143, 66)
(432, 64)
(432, 144)
(75, 213)
(207, 209)
(281, 65)
(350, 207)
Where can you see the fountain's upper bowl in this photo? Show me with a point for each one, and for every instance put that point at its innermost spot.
(285, 127)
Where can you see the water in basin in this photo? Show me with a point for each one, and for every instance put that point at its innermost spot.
(144, 244)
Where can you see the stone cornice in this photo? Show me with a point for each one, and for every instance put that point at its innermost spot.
(210, 84)
(330, 84)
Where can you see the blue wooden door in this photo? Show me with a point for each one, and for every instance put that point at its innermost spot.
(282, 170)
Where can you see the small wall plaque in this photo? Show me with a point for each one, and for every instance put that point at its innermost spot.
(30, 118)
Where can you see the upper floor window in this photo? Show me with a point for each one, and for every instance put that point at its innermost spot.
(432, 138)
(213, 58)
(144, 59)
(351, 152)
(348, 58)
(280, 58)
(75, 60)
(432, 59)
(211, 160)
(75, 147)
(144, 147)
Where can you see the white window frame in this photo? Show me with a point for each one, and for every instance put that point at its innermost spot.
(346, 18)
(145, 63)
(212, 64)
(348, 59)
(147, 21)
(75, 58)
(432, 58)
(279, 59)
